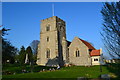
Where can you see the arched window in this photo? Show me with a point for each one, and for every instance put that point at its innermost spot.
(48, 53)
(48, 28)
(77, 53)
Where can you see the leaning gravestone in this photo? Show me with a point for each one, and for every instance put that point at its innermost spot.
(105, 76)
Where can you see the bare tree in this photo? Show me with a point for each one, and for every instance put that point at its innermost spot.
(111, 27)
(34, 46)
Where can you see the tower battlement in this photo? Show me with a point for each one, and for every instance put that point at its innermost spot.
(53, 17)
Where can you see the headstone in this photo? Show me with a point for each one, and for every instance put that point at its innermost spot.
(26, 59)
(81, 78)
(105, 76)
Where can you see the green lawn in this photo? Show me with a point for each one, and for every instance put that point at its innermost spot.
(66, 72)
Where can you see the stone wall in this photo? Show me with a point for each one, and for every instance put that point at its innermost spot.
(56, 34)
(95, 62)
(84, 59)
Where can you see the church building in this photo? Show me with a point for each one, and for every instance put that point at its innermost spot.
(54, 49)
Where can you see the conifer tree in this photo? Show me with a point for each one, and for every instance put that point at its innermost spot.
(8, 50)
(22, 55)
(30, 54)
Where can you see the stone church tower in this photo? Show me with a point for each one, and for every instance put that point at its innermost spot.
(52, 48)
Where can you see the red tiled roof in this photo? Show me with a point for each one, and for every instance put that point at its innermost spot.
(95, 53)
(87, 44)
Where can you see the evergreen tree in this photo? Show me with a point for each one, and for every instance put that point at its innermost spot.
(30, 54)
(22, 55)
(8, 50)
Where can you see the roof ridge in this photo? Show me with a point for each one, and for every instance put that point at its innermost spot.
(87, 44)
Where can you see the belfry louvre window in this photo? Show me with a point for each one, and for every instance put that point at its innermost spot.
(48, 28)
(77, 53)
(47, 39)
(48, 53)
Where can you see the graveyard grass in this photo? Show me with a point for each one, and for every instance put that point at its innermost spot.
(65, 72)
